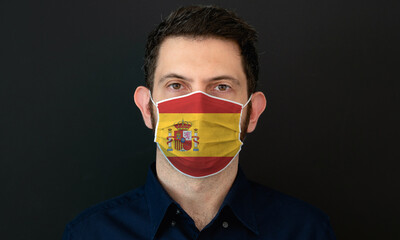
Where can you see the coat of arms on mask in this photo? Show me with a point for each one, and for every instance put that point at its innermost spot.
(183, 139)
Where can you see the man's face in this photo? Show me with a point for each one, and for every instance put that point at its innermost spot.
(211, 65)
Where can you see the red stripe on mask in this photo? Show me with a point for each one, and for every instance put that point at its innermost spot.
(200, 166)
(198, 103)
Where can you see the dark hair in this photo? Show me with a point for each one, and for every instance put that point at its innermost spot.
(205, 21)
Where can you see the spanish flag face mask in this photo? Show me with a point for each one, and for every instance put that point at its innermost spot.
(198, 134)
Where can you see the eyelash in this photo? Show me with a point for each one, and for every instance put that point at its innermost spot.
(175, 83)
(225, 85)
(180, 85)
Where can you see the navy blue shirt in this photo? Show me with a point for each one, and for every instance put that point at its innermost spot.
(249, 211)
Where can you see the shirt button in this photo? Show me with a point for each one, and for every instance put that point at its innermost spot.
(173, 223)
(177, 211)
(225, 225)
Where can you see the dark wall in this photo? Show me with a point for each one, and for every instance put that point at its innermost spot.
(71, 135)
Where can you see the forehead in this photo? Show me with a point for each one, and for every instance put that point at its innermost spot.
(199, 57)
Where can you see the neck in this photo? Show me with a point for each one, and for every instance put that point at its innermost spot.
(201, 198)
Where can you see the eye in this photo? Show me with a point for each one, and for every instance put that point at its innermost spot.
(222, 87)
(175, 86)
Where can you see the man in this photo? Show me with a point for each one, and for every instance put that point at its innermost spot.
(201, 71)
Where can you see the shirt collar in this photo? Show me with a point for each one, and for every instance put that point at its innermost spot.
(158, 200)
(239, 200)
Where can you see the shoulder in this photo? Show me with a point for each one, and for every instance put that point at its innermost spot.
(97, 219)
(282, 204)
(284, 215)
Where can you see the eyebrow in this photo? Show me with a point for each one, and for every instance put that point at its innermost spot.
(174, 75)
(226, 77)
(222, 77)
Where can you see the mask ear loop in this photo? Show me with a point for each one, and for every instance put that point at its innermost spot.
(240, 130)
(158, 118)
(240, 121)
(151, 98)
(156, 131)
(247, 101)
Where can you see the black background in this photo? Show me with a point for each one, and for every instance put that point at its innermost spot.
(71, 135)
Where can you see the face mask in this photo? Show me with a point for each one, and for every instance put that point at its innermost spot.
(199, 134)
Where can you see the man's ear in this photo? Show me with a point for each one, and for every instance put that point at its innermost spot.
(142, 100)
(258, 104)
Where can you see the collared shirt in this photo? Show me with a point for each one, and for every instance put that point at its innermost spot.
(249, 211)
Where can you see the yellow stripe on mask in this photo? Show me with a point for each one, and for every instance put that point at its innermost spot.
(213, 130)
